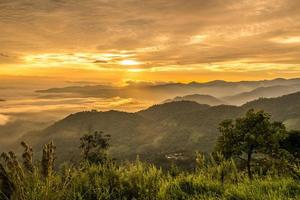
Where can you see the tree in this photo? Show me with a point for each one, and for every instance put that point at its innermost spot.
(292, 143)
(249, 135)
(94, 147)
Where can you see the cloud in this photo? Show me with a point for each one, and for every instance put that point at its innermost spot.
(4, 119)
(4, 55)
(157, 33)
(67, 105)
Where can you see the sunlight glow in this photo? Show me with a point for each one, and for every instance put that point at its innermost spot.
(196, 39)
(136, 70)
(287, 40)
(74, 58)
(129, 62)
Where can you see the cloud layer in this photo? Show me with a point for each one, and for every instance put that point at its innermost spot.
(160, 36)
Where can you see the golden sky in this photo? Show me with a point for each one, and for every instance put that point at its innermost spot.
(155, 40)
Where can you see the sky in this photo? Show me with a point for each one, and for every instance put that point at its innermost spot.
(130, 44)
(117, 41)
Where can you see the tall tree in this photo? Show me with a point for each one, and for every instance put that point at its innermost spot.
(249, 135)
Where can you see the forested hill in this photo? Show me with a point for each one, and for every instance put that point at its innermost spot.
(163, 111)
(161, 129)
(199, 98)
(281, 108)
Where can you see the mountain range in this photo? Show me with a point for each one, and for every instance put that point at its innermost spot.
(266, 92)
(160, 92)
(179, 126)
(241, 98)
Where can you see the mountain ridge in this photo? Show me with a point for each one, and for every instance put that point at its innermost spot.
(199, 98)
(160, 129)
(264, 92)
(162, 91)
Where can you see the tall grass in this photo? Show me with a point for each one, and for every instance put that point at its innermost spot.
(213, 178)
(144, 181)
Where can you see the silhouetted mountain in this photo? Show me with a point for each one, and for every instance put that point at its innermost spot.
(162, 111)
(89, 90)
(265, 92)
(160, 129)
(160, 92)
(201, 99)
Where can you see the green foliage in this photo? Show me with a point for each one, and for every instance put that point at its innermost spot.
(251, 135)
(94, 147)
(215, 179)
(217, 168)
(189, 186)
(217, 176)
(292, 143)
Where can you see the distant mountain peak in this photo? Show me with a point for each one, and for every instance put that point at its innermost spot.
(199, 98)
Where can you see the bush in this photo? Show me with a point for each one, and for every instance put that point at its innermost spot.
(190, 187)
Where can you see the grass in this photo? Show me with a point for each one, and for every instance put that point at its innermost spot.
(146, 182)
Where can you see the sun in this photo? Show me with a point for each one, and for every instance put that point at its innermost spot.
(129, 62)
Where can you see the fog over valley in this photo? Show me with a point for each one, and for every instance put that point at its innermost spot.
(33, 104)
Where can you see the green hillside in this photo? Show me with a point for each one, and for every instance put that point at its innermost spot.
(161, 129)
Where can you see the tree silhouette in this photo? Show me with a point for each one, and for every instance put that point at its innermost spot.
(249, 135)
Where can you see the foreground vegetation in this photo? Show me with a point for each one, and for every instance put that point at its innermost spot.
(254, 159)
(144, 181)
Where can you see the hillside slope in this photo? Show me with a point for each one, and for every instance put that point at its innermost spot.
(262, 92)
(162, 129)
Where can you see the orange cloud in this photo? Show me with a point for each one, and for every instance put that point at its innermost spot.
(153, 39)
